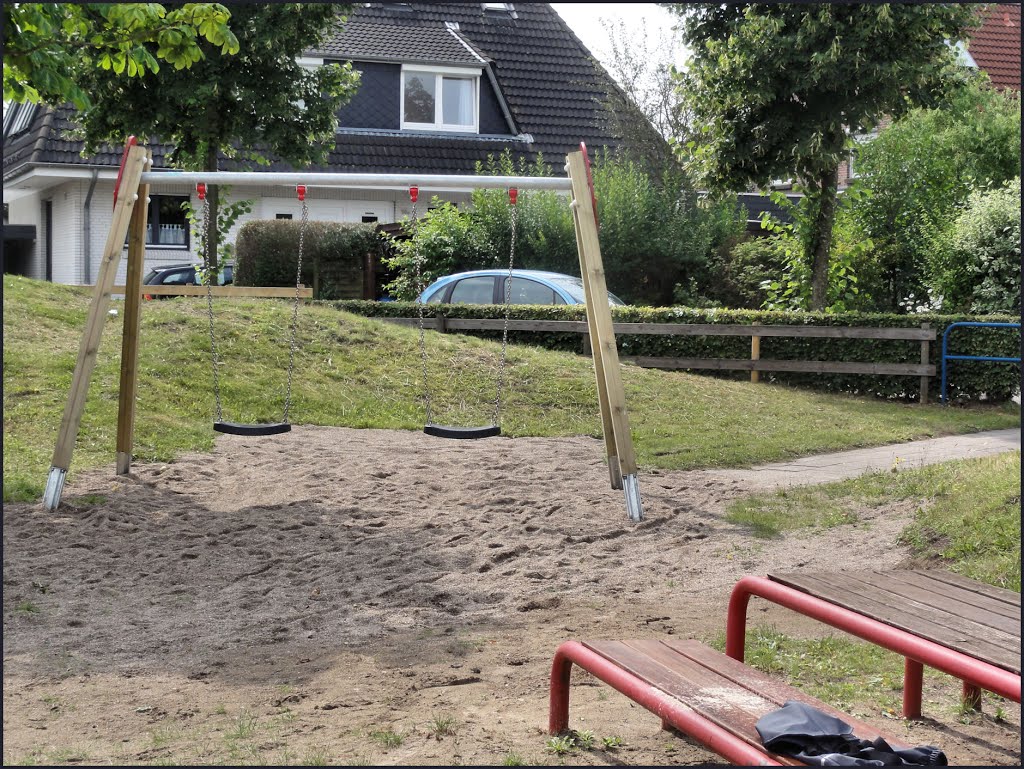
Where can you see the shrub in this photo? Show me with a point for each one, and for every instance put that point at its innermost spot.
(333, 262)
(979, 270)
(998, 381)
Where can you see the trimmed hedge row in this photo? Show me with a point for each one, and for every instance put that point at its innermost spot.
(334, 255)
(967, 379)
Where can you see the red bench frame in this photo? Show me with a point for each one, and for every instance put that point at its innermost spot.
(917, 651)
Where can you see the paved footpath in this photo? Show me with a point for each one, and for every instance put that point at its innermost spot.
(824, 468)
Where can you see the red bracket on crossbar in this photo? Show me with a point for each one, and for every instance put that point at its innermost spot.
(513, 194)
(414, 194)
(300, 190)
(201, 190)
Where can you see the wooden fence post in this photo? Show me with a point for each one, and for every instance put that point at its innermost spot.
(755, 354)
(442, 323)
(925, 354)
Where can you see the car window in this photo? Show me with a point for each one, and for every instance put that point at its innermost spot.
(574, 287)
(478, 290)
(179, 277)
(526, 291)
(435, 296)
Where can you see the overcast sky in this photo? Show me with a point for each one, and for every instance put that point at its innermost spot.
(585, 21)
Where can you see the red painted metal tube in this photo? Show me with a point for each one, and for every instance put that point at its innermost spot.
(967, 668)
(669, 709)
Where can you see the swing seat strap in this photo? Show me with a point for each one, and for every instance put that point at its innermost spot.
(465, 433)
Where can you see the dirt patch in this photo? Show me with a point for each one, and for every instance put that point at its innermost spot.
(301, 598)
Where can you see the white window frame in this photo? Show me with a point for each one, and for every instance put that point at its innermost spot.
(439, 73)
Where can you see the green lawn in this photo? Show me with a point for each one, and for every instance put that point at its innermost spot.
(356, 372)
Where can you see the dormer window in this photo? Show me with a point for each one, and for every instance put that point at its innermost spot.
(440, 99)
(503, 8)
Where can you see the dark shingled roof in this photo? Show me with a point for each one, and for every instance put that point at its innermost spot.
(554, 90)
(995, 45)
(375, 41)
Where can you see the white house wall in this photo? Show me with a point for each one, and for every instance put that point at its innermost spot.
(29, 210)
(68, 200)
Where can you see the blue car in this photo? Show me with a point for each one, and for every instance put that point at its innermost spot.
(488, 287)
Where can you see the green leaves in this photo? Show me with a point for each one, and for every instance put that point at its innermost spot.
(56, 45)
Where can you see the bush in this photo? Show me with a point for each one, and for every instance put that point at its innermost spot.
(967, 380)
(333, 262)
(979, 271)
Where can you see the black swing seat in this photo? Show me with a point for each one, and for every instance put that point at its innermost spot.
(465, 433)
(234, 428)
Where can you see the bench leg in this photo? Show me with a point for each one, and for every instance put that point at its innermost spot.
(913, 683)
(972, 696)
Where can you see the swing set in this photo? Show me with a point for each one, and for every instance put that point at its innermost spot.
(129, 220)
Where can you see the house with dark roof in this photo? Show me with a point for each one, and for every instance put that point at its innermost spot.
(443, 86)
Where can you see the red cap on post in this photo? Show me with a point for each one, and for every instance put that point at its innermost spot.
(414, 194)
(201, 190)
(300, 190)
(513, 194)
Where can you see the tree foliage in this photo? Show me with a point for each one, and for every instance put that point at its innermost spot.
(250, 107)
(920, 171)
(48, 47)
(774, 90)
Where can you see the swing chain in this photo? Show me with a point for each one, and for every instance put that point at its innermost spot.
(508, 296)
(295, 307)
(208, 277)
(418, 261)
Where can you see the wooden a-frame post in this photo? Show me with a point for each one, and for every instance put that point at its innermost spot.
(611, 394)
(127, 191)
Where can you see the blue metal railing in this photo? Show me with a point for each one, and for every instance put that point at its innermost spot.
(946, 356)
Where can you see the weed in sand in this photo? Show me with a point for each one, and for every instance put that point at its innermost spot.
(245, 726)
(512, 759)
(220, 710)
(585, 739)
(441, 726)
(316, 757)
(612, 743)
(387, 738)
(28, 607)
(560, 746)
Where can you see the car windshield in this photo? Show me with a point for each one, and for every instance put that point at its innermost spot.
(574, 286)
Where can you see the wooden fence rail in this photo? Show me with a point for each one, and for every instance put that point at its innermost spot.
(924, 334)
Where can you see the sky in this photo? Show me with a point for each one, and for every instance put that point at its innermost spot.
(585, 20)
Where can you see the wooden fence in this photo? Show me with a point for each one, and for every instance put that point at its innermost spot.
(755, 364)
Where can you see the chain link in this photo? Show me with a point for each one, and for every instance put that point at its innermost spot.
(504, 331)
(208, 278)
(295, 311)
(418, 260)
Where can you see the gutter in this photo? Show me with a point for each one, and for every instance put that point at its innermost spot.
(87, 231)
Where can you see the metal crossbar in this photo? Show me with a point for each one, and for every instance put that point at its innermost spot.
(380, 181)
(990, 358)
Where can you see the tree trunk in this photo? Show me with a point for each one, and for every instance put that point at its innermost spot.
(212, 194)
(821, 239)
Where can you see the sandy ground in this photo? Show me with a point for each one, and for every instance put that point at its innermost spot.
(297, 598)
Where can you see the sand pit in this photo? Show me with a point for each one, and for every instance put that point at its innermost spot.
(330, 585)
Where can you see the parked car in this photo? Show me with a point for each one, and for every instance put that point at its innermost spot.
(488, 287)
(184, 275)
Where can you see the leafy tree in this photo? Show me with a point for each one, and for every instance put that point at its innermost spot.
(979, 271)
(775, 90)
(248, 107)
(48, 47)
(920, 171)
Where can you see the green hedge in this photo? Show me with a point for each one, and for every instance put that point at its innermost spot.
(967, 380)
(334, 255)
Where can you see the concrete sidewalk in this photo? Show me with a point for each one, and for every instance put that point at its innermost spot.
(824, 468)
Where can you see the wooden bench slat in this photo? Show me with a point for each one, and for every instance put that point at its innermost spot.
(732, 707)
(991, 605)
(847, 590)
(1001, 594)
(979, 610)
(772, 688)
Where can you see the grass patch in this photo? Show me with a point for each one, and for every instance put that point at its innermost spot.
(835, 669)
(967, 519)
(387, 738)
(357, 372)
(442, 726)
